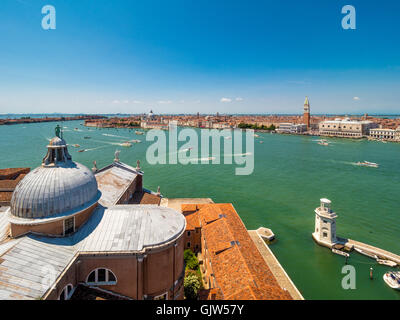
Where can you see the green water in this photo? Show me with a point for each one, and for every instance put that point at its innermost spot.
(291, 174)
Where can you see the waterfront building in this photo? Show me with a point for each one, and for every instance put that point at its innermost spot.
(72, 233)
(293, 128)
(231, 265)
(325, 224)
(9, 178)
(346, 128)
(385, 134)
(306, 113)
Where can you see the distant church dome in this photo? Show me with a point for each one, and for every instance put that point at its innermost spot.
(59, 186)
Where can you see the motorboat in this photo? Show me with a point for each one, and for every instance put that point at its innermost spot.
(366, 253)
(388, 263)
(367, 164)
(341, 253)
(76, 145)
(139, 132)
(323, 143)
(126, 144)
(392, 279)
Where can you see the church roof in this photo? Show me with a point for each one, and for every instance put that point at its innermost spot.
(30, 265)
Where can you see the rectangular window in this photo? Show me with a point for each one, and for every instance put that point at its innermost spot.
(69, 226)
(101, 275)
(188, 244)
(325, 235)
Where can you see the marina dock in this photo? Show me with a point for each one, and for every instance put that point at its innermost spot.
(380, 253)
(274, 265)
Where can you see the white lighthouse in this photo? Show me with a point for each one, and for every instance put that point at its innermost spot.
(325, 224)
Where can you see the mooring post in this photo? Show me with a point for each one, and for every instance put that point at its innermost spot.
(371, 273)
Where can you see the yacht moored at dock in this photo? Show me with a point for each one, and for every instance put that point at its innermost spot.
(341, 253)
(388, 263)
(392, 279)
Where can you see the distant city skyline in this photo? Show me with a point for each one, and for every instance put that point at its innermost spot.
(179, 57)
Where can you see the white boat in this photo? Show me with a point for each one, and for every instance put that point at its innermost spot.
(368, 164)
(139, 132)
(392, 279)
(387, 262)
(323, 143)
(341, 253)
(366, 253)
(126, 144)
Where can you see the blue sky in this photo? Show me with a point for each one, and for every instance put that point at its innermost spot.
(207, 56)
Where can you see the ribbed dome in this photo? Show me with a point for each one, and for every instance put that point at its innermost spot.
(48, 191)
(56, 141)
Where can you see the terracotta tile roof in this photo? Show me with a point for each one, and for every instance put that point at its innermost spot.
(188, 208)
(192, 221)
(142, 197)
(240, 271)
(11, 184)
(12, 173)
(5, 196)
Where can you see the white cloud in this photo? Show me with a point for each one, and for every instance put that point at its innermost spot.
(225, 100)
(125, 101)
(239, 99)
(137, 102)
(116, 102)
(356, 98)
(164, 102)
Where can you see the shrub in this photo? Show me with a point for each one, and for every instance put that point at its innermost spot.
(191, 286)
(190, 260)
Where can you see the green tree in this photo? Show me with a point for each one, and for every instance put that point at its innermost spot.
(191, 260)
(191, 287)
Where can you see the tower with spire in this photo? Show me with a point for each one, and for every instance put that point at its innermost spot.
(306, 114)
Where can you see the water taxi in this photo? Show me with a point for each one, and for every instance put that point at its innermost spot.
(76, 145)
(323, 143)
(366, 253)
(341, 253)
(83, 150)
(392, 279)
(126, 144)
(367, 164)
(139, 132)
(388, 263)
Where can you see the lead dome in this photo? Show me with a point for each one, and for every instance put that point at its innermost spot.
(59, 186)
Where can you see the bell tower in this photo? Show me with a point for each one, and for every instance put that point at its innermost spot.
(306, 114)
(325, 224)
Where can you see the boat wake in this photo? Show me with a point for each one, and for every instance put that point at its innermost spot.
(113, 135)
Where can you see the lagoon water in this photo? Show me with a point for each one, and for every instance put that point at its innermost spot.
(291, 174)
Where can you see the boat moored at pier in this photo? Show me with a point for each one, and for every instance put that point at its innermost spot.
(392, 279)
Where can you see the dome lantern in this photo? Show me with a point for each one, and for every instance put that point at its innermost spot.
(57, 151)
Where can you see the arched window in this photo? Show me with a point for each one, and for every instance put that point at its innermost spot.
(67, 292)
(101, 276)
